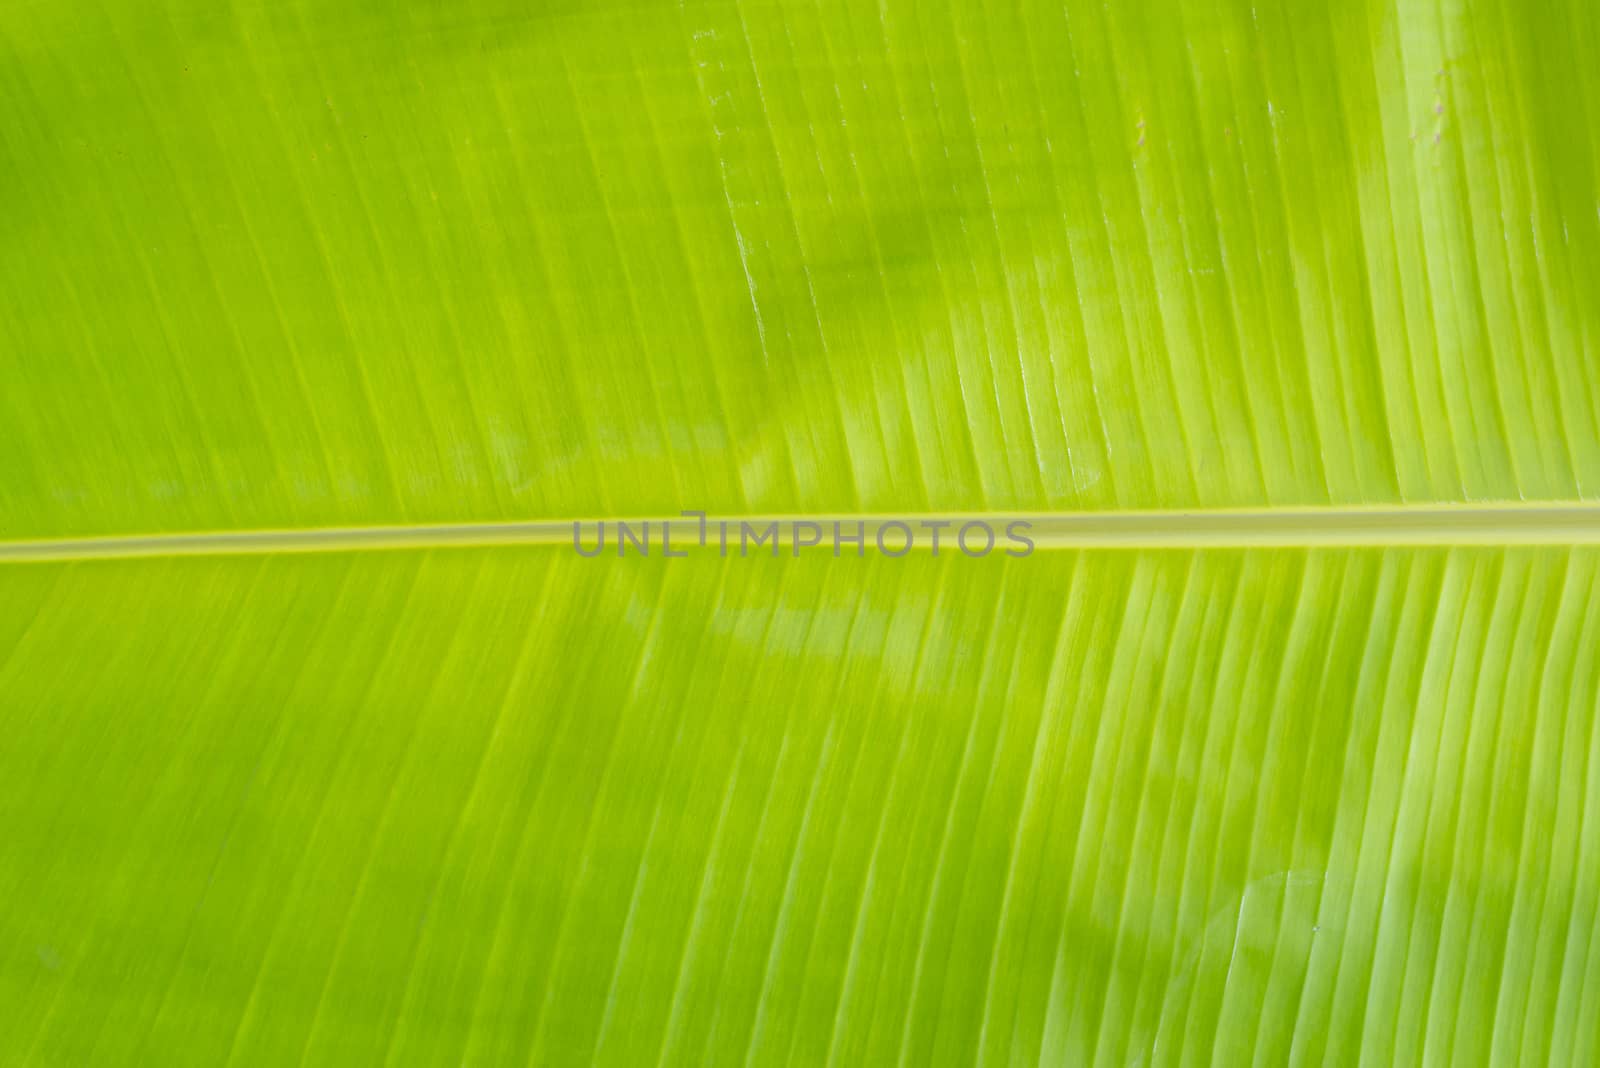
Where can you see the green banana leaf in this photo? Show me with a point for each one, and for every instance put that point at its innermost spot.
(352, 276)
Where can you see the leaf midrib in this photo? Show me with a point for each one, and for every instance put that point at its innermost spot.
(1371, 526)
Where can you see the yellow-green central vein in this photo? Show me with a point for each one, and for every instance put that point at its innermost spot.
(1506, 523)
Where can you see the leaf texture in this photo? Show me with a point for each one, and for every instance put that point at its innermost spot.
(316, 264)
(333, 263)
(1260, 807)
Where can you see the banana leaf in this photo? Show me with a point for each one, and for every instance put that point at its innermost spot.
(304, 760)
